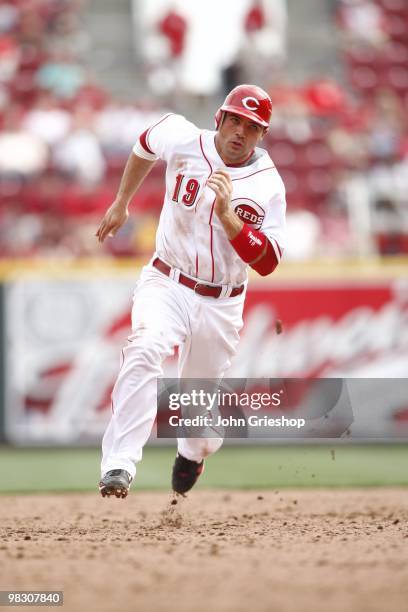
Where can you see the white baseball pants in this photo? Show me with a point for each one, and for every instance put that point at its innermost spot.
(166, 314)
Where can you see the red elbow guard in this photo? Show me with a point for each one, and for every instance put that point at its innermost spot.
(249, 244)
(267, 263)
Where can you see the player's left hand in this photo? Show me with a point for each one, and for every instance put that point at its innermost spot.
(116, 215)
(220, 182)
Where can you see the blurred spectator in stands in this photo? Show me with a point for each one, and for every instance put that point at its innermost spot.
(221, 37)
(44, 194)
(173, 26)
(91, 94)
(78, 239)
(386, 216)
(159, 38)
(325, 97)
(46, 120)
(4, 100)
(387, 126)
(110, 127)
(362, 20)
(22, 154)
(263, 51)
(250, 39)
(62, 75)
(351, 151)
(19, 232)
(9, 58)
(175, 35)
(291, 116)
(31, 27)
(67, 36)
(8, 17)
(388, 179)
(119, 125)
(337, 235)
(49, 243)
(390, 227)
(79, 154)
(348, 137)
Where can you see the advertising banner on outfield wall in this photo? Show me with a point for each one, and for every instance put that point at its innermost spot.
(64, 341)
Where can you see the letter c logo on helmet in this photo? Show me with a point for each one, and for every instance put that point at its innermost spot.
(247, 101)
(250, 103)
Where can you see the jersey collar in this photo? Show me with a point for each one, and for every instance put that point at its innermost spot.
(211, 153)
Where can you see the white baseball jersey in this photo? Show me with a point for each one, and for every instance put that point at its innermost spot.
(190, 236)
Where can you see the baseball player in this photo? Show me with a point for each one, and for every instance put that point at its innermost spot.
(224, 210)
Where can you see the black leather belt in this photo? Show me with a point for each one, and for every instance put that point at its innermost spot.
(200, 288)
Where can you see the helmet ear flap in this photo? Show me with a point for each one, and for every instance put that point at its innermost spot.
(218, 116)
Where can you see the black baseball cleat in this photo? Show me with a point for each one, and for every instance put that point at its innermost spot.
(185, 474)
(115, 482)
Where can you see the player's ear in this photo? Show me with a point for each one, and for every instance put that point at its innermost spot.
(262, 134)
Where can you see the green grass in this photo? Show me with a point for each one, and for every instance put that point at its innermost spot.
(262, 467)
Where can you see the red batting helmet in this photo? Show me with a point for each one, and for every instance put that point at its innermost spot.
(248, 101)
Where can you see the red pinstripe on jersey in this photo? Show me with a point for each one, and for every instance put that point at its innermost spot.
(279, 249)
(211, 241)
(210, 219)
(276, 248)
(204, 155)
(257, 172)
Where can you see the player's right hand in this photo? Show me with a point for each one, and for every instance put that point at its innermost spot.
(114, 218)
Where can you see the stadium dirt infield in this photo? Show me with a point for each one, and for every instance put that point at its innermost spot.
(309, 550)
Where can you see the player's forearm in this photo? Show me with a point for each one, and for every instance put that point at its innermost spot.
(135, 172)
(231, 223)
(233, 226)
(251, 245)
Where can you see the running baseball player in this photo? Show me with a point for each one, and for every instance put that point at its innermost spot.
(224, 210)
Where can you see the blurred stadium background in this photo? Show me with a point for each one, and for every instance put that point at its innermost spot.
(79, 81)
